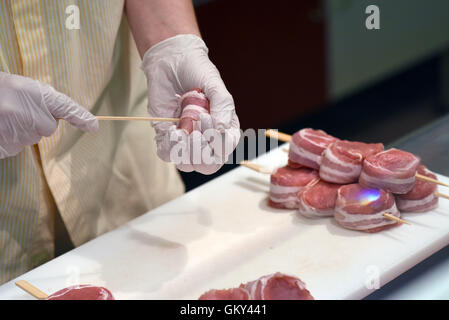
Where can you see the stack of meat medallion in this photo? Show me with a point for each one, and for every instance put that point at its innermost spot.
(357, 183)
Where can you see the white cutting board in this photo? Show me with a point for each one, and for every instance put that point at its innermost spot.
(223, 233)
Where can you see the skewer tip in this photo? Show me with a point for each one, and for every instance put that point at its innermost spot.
(394, 218)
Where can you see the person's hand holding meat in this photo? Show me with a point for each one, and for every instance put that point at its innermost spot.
(173, 67)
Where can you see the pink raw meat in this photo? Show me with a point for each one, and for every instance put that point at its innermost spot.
(306, 147)
(275, 286)
(226, 294)
(342, 160)
(422, 197)
(393, 170)
(362, 209)
(82, 292)
(285, 183)
(318, 199)
(192, 103)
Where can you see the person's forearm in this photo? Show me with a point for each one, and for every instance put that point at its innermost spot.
(152, 21)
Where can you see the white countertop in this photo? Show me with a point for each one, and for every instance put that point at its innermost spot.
(223, 233)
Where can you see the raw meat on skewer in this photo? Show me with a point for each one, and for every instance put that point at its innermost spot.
(287, 138)
(423, 197)
(392, 170)
(285, 183)
(82, 292)
(364, 209)
(306, 147)
(193, 103)
(318, 202)
(342, 160)
(318, 199)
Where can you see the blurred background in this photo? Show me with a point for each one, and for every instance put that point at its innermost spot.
(295, 64)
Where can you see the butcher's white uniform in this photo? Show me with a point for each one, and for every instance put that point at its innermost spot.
(96, 182)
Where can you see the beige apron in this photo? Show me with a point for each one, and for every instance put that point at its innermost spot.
(95, 181)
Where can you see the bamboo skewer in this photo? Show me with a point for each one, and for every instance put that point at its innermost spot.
(286, 138)
(111, 118)
(278, 135)
(427, 179)
(32, 290)
(262, 169)
(445, 196)
(255, 167)
(394, 218)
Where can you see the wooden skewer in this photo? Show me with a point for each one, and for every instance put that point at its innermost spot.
(278, 135)
(394, 218)
(427, 179)
(32, 290)
(255, 167)
(111, 118)
(286, 138)
(441, 195)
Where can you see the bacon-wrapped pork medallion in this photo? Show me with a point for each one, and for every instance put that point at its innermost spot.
(306, 147)
(285, 183)
(192, 103)
(226, 294)
(318, 199)
(277, 286)
(342, 160)
(422, 197)
(82, 292)
(363, 209)
(392, 170)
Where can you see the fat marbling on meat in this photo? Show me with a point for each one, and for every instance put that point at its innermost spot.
(285, 183)
(277, 286)
(422, 197)
(392, 170)
(363, 209)
(342, 160)
(192, 103)
(82, 292)
(306, 147)
(318, 199)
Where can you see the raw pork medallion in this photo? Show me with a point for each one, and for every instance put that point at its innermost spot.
(342, 160)
(275, 286)
(306, 147)
(363, 209)
(82, 292)
(192, 103)
(285, 183)
(392, 170)
(318, 199)
(422, 197)
(226, 294)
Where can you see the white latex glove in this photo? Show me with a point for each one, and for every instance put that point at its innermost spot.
(173, 67)
(29, 110)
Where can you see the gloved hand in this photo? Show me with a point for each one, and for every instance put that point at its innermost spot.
(29, 110)
(173, 67)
